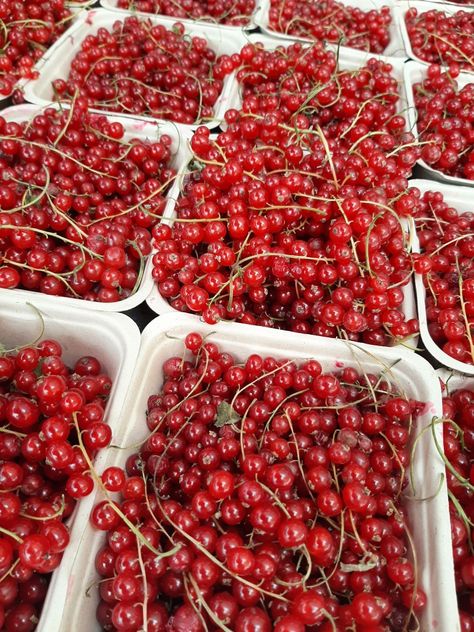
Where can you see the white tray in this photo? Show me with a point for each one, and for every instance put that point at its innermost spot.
(402, 6)
(395, 48)
(414, 73)
(429, 518)
(134, 128)
(76, 10)
(462, 200)
(111, 5)
(39, 91)
(114, 339)
(457, 4)
(451, 3)
(453, 380)
(347, 60)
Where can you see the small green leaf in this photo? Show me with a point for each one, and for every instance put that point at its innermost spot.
(38, 371)
(196, 165)
(226, 415)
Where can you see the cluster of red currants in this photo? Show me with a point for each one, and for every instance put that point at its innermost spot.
(332, 21)
(445, 122)
(266, 497)
(44, 404)
(439, 37)
(77, 203)
(228, 12)
(28, 29)
(288, 219)
(447, 264)
(141, 68)
(458, 411)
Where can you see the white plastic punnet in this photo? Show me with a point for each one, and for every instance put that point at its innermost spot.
(415, 73)
(428, 518)
(462, 200)
(347, 61)
(395, 48)
(114, 339)
(453, 380)
(111, 5)
(402, 6)
(222, 40)
(449, 3)
(76, 11)
(134, 128)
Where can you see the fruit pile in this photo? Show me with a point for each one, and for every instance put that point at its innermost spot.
(266, 497)
(269, 494)
(445, 122)
(458, 411)
(229, 12)
(442, 38)
(288, 219)
(332, 21)
(28, 28)
(140, 68)
(43, 405)
(447, 265)
(77, 203)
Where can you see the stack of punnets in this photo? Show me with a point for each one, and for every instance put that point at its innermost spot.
(287, 185)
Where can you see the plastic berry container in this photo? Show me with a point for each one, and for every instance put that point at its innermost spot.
(223, 40)
(394, 49)
(402, 6)
(112, 5)
(428, 518)
(347, 60)
(134, 128)
(114, 339)
(415, 73)
(459, 198)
